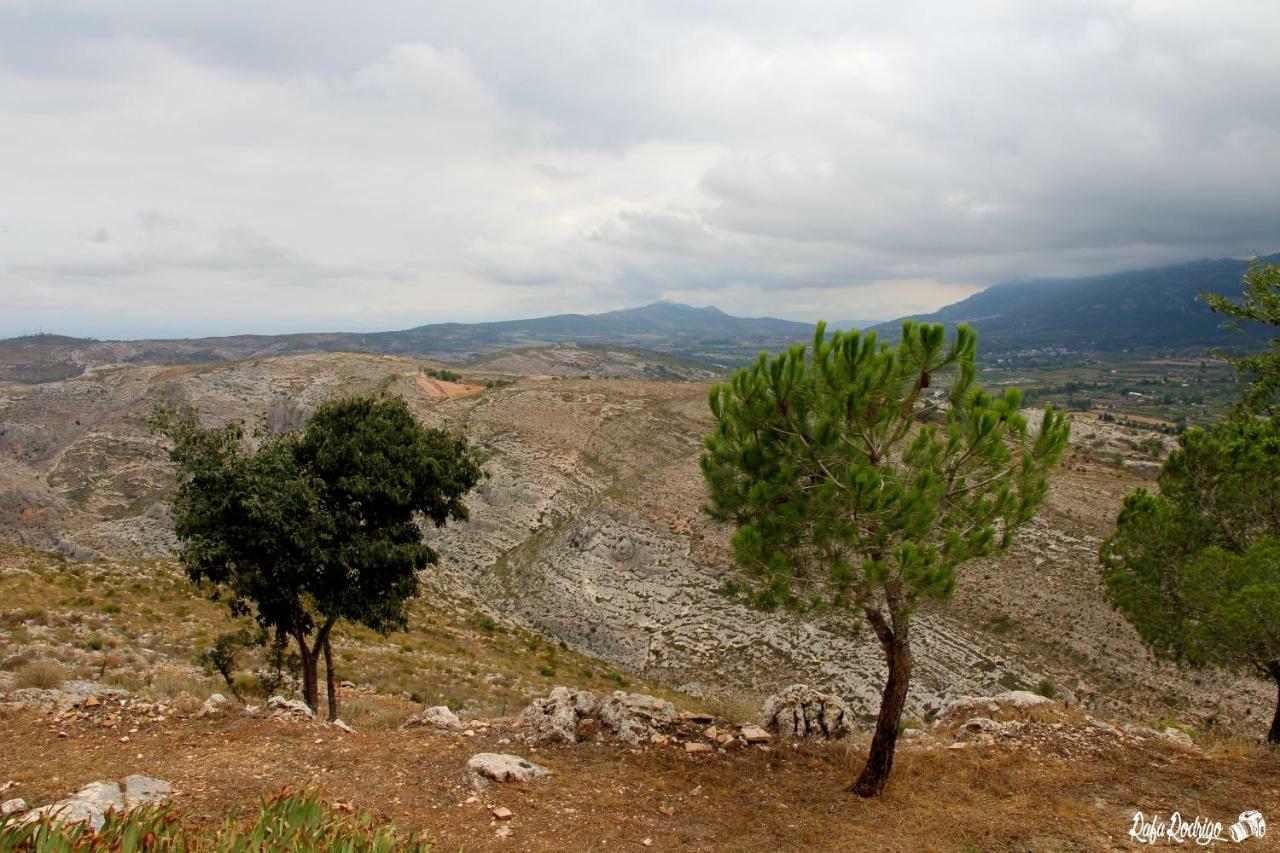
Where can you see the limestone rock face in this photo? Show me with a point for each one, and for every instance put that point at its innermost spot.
(500, 767)
(800, 712)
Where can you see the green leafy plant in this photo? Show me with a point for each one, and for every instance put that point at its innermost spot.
(310, 527)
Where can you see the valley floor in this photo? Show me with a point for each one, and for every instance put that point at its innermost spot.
(602, 796)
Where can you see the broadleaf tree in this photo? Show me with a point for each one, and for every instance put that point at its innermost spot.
(1196, 567)
(861, 475)
(305, 529)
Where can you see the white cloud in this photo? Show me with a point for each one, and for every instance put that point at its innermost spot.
(201, 167)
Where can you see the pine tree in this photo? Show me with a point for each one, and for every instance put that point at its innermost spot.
(857, 483)
(1196, 568)
(1260, 372)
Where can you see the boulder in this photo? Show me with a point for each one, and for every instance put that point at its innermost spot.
(436, 716)
(293, 709)
(800, 712)
(555, 719)
(15, 806)
(213, 706)
(634, 717)
(499, 767)
(967, 707)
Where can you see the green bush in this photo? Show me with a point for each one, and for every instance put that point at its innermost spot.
(296, 822)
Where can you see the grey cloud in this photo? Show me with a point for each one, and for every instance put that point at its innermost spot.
(484, 158)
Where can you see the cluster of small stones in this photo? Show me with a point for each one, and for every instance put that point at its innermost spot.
(634, 719)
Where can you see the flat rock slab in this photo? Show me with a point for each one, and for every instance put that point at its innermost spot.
(500, 767)
(91, 803)
(145, 791)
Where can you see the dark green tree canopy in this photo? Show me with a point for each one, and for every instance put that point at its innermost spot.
(1261, 304)
(1194, 567)
(311, 527)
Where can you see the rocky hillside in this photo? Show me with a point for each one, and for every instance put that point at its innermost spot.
(588, 531)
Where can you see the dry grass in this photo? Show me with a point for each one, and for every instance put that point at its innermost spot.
(985, 799)
(44, 674)
(141, 625)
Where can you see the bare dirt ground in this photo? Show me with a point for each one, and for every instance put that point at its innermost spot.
(990, 798)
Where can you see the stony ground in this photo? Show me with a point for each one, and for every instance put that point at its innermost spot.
(1048, 781)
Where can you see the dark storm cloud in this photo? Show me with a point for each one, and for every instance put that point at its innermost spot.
(402, 162)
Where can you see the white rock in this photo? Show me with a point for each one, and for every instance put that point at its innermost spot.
(69, 811)
(283, 707)
(145, 790)
(213, 706)
(755, 734)
(800, 712)
(437, 716)
(500, 767)
(15, 806)
(555, 718)
(103, 796)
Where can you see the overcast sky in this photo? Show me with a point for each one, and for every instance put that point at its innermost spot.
(179, 168)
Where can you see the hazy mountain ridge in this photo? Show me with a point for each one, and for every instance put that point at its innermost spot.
(1155, 308)
(1149, 308)
(705, 335)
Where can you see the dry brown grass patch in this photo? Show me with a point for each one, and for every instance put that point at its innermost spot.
(43, 674)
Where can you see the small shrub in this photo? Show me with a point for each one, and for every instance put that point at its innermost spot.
(1047, 688)
(1001, 623)
(44, 674)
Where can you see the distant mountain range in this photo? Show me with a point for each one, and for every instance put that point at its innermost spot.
(1150, 308)
(705, 335)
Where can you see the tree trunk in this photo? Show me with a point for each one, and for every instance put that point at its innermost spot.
(1273, 736)
(897, 654)
(310, 691)
(330, 683)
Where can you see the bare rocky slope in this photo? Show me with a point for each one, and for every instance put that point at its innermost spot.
(588, 531)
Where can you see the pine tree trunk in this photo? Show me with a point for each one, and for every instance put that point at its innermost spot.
(330, 682)
(1273, 736)
(897, 653)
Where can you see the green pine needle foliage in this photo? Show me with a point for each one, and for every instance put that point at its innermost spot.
(852, 468)
(1196, 567)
